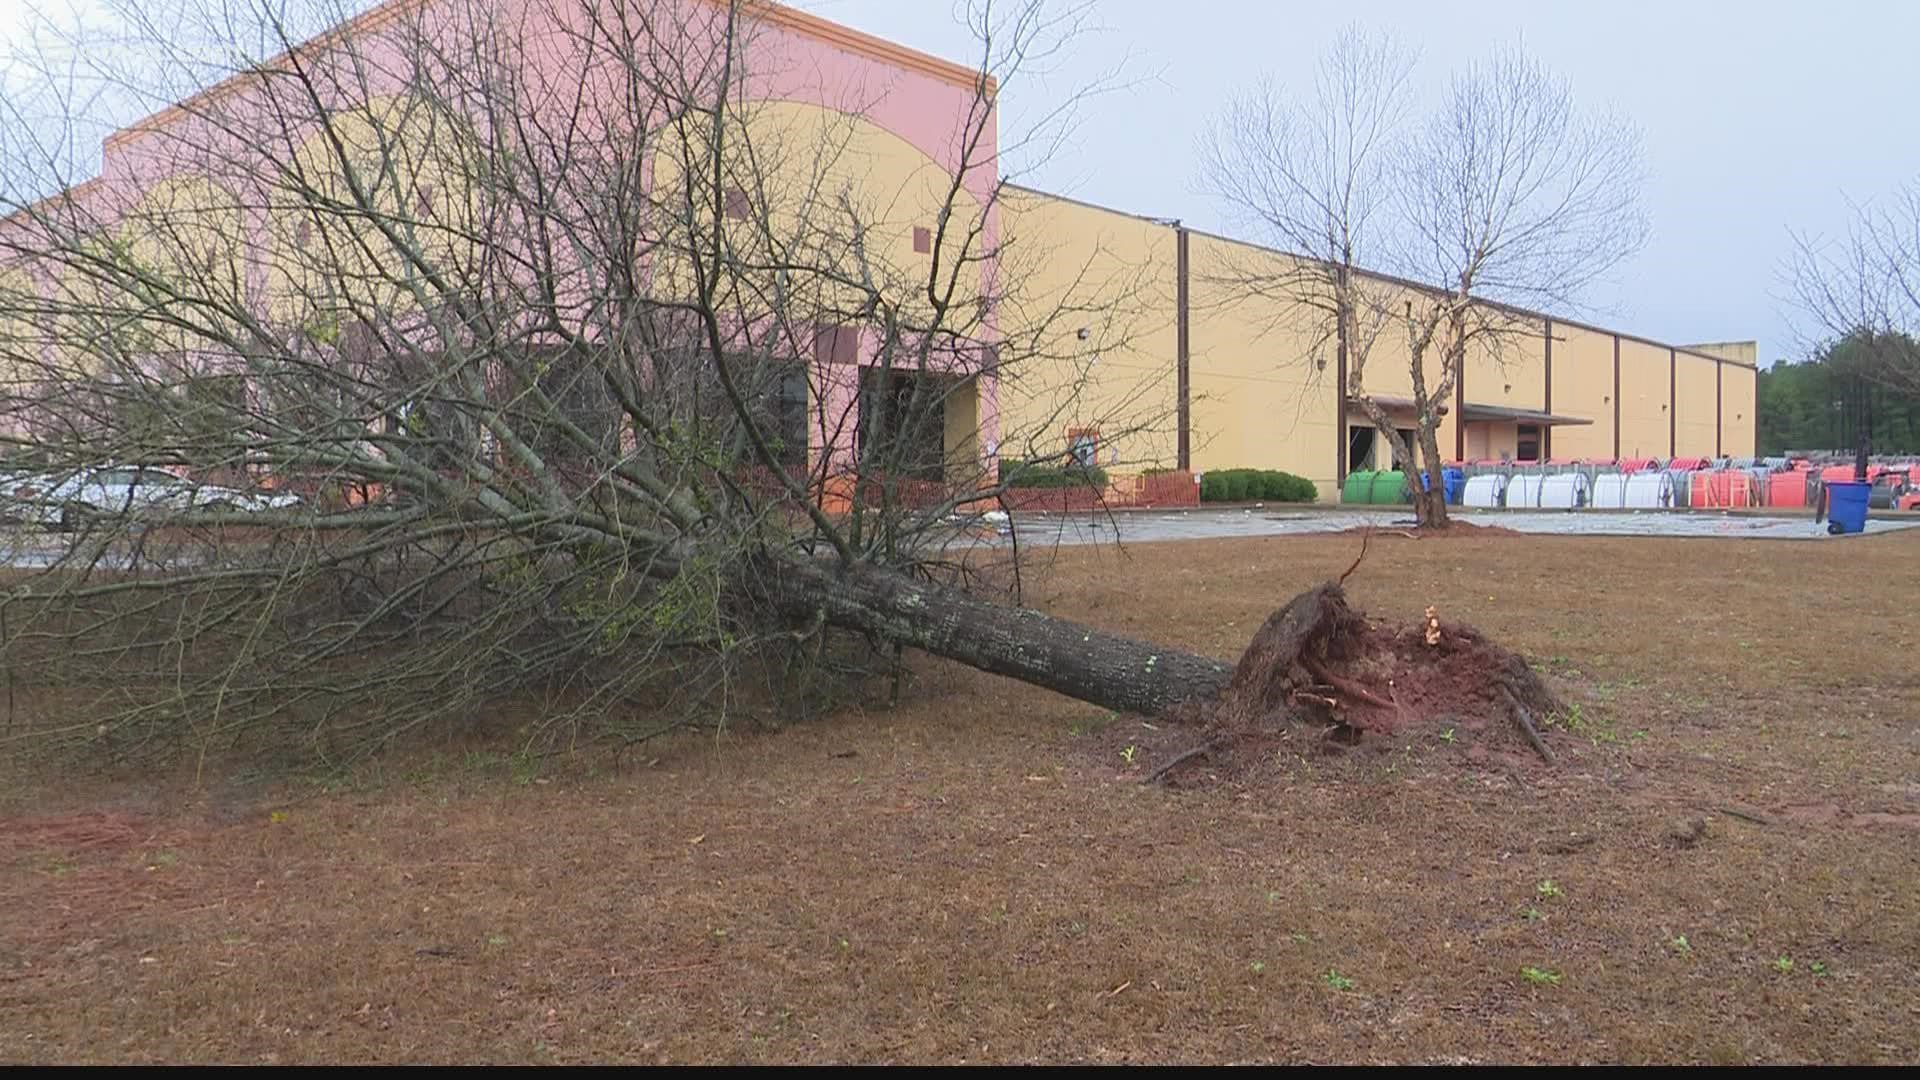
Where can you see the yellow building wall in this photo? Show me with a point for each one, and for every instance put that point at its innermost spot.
(416, 161)
(1739, 412)
(1738, 408)
(1263, 372)
(1583, 387)
(1388, 368)
(1508, 367)
(1738, 386)
(1487, 441)
(1068, 268)
(1696, 431)
(960, 437)
(1645, 382)
(1740, 352)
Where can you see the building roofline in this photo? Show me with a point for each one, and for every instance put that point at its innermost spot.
(865, 44)
(1165, 223)
(48, 202)
(369, 20)
(776, 14)
(1171, 223)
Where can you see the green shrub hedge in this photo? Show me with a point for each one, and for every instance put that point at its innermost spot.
(1243, 485)
(1027, 474)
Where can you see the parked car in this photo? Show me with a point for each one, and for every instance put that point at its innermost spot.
(65, 501)
(23, 496)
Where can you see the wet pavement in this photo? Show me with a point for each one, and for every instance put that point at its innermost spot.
(1150, 526)
(27, 548)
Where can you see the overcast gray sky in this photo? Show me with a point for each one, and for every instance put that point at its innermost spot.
(1759, 115)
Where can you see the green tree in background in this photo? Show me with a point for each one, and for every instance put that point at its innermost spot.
(1829, 402)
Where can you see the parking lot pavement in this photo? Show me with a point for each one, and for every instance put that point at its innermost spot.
(26, 548)
(31, 549)
(1149, 526)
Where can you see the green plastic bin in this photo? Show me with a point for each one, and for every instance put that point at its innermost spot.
(1388, 488)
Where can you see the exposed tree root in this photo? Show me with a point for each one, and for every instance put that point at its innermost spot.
(1176, 761)
(1318, 662)
(1351, 689)
(1365, 538)
(1525, 722)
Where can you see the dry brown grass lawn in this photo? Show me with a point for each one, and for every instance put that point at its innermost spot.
(977, 875)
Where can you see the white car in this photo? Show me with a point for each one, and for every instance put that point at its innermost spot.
(66, 501)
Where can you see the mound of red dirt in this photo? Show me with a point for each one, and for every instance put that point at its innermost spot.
(1317, 662)
(1454, 529)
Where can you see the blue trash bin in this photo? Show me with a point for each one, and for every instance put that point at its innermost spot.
(1847, 507)
(1453, 482)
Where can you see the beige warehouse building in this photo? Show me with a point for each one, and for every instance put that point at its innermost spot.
(1201, 372)
(1129, 340)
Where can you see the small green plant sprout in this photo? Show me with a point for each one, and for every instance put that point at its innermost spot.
(1129, 753)
(1679, 943)
(1532, 914)
(1336, 980)
(1257, 967)
(1446, 736)
(1273, 896)
(1540, 976)
(1819, 969)
(1549, 889)
(1300, 938)
(1784, 965)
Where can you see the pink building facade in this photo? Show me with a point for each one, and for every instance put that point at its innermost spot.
(898, 125)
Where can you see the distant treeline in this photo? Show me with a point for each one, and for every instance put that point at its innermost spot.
(1828, 403)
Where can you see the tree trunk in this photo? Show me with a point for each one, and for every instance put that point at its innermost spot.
(1089, 665)
(1430, 505)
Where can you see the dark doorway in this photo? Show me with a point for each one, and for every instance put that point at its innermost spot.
(780, 411)
(1359, 448)
(1528, 447)
(1412, 439)
(902, 429)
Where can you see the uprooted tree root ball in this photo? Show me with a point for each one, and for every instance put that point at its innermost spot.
(1319, 668)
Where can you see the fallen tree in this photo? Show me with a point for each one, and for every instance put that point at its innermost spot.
(600, 368)
(1104, 669)
(474, 354)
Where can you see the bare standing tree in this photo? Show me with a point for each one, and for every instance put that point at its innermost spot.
(1865, 289)
(600, 372)
(1505, 195)
(1313, 176)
